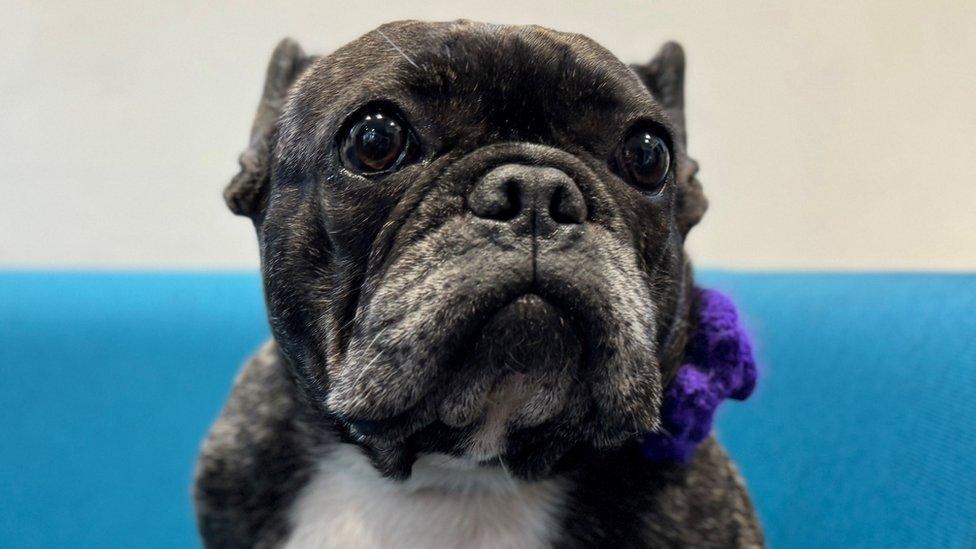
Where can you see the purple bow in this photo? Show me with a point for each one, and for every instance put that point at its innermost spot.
(718, 365)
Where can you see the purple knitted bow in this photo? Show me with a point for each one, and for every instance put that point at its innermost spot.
(718, 365)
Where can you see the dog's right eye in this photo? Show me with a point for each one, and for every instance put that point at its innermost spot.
(377, 141)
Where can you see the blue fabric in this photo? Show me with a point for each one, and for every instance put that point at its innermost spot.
(861, 433)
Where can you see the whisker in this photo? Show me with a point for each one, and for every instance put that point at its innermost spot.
(397, 48)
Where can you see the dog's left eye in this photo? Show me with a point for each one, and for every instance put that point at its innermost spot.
(377, 141)
(643, 160)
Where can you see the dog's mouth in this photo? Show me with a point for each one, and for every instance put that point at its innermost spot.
(529, 334)
(516, 372)
(525, 337)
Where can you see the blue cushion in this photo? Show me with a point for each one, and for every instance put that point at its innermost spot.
(862, 432)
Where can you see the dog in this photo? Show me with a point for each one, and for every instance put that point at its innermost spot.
(472, 248)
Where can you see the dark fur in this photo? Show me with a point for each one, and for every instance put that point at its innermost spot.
(390, 303)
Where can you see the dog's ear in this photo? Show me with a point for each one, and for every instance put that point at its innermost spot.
(664, 76)
(247, 192)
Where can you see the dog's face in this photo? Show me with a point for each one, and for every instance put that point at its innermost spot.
(472, 238)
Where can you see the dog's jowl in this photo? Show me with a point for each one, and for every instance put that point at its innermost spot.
(472, 244)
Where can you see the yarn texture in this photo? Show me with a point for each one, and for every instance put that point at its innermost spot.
(718, 364)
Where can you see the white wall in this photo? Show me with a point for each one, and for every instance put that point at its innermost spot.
(839, 136)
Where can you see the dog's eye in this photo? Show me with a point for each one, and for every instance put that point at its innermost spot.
(643, 160)
(375, 142)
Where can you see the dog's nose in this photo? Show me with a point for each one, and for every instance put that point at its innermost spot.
(540, 194)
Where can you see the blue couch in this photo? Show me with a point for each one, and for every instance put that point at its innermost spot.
(862, 432)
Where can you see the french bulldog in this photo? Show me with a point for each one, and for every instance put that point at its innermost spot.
(472, 247)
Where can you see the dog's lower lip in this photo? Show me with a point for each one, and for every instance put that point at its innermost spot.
(531, 307)
(530, 299)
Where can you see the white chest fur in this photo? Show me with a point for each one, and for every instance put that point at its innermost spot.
(445, 504)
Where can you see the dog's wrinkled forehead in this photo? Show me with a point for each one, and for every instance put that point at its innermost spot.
(465, 80)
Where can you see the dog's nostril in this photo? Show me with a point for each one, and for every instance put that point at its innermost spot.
(513, 201)
(567, 207)
(499, 200)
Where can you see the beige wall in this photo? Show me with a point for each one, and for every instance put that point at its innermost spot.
(831, 135)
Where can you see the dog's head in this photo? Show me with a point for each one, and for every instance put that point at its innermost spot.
(472, 238)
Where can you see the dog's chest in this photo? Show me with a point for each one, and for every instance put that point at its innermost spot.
(347, 504)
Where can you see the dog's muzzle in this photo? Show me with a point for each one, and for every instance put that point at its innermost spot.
(523, 308)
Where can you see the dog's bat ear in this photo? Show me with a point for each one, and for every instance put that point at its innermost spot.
(246, 193)
(664, 76)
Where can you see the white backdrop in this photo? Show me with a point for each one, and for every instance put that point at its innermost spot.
(829, 137)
